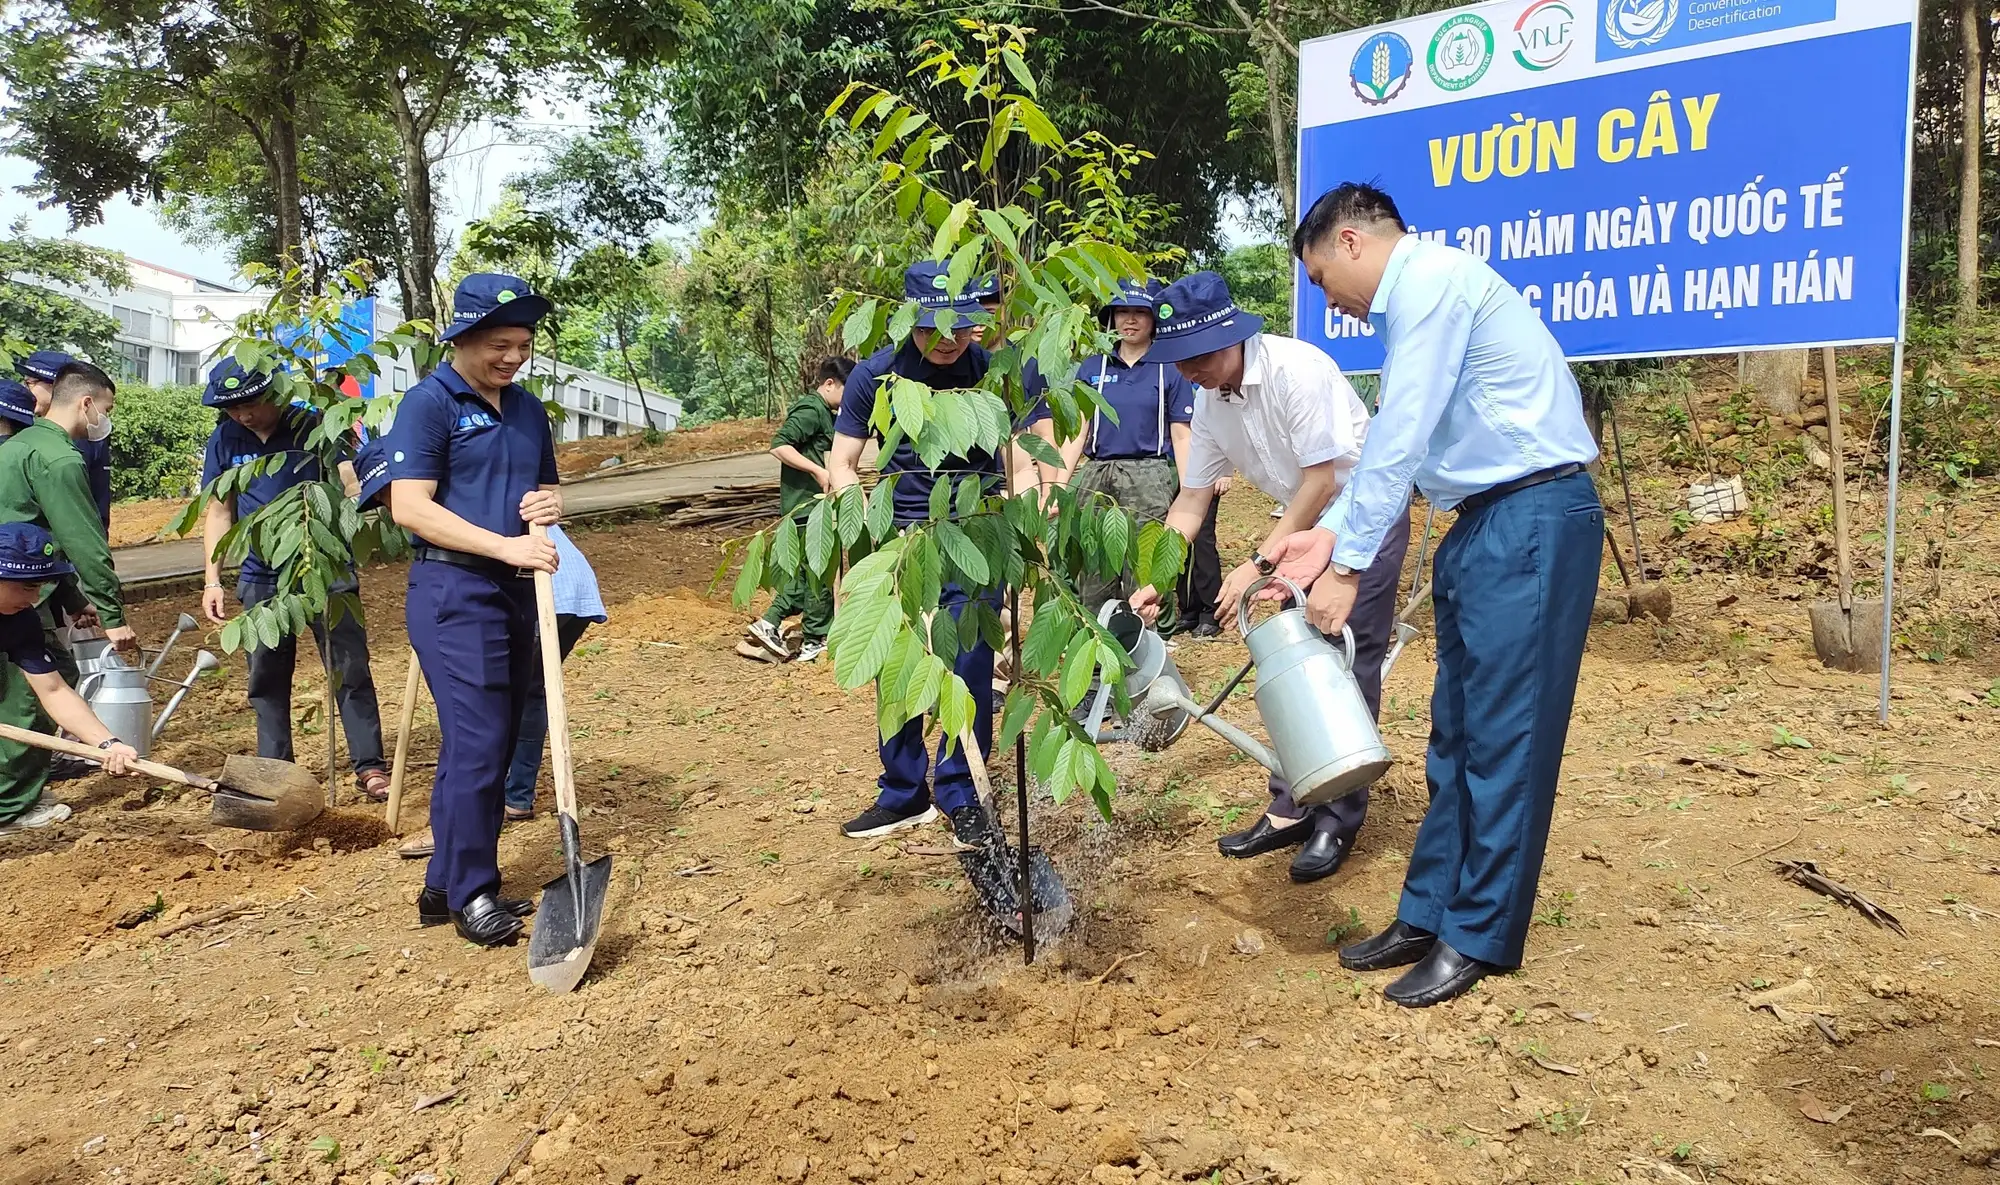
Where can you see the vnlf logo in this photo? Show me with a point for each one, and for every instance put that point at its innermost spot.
(1543, 34)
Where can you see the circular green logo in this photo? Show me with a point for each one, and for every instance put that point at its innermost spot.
(1166, 311)
(938, 282)
(232, 382)
(1461, 51)
(48, 549)
(504, 295)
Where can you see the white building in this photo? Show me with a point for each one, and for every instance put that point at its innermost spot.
(169, 324)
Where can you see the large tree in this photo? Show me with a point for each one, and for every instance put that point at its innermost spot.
(35, 315)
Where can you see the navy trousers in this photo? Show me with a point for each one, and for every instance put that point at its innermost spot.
(271, 671)
(1515, 581)
(906, 759)
(1373, 620)
(474, 634)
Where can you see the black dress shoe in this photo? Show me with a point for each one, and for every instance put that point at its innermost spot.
(1398, 946)
(1443, 975)
(486, 921)
(1322, 856)
(1261, 837)
(432, 910)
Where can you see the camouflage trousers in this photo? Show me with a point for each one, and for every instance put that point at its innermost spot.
(1145, 487)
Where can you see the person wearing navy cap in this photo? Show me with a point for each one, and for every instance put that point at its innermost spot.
(1136, 459)
(943, 354)
(39, 370)
(1481, 412)
(255, 422)
(17, 407)
(1278, 411)
(472, 464)
(32, 692)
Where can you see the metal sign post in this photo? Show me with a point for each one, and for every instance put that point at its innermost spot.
(1889, 553)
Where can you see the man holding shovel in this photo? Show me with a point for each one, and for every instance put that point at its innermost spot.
(30, 686)
(1480, 411)
(1280, 412)
(254, 424)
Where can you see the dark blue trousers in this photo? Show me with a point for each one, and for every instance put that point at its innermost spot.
(906, 759)
(474, 634)
(1514, 585)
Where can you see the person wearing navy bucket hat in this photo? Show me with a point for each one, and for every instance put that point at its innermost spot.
(1279, 411)
(32, 693)
(1135, 459)
(254, 422)
(472, 465)
(17, 407)
(1481, 412)
(942, 353)
(39, 371)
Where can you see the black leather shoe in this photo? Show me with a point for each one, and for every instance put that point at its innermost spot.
(486, 921)
(1398, 946)
(432, 910)
(1322, 856)
(1443, 975)
(1205, 629)
(1261, 837)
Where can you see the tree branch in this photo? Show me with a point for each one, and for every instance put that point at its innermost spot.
(1101, 6)
(1268, 31)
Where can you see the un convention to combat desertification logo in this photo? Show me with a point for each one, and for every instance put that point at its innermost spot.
(1634, 23)
(1460, 52)
(1381, 68)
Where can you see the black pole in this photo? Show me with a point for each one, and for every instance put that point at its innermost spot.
(1025, 894)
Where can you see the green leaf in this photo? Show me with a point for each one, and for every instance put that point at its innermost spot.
(1044, 745)
(963, 553)
(922, 576)
(907, 402)
(940, 507)
(819, 536)
(840, 99)
(967, 498)
(860, 324)
(785, 546)
(946, 239)
(232, 634)
(1169, 555)
(944, 637)
(862, 633)
(925, 681)
(956, 707)
(1015, 716)
(1037, 125)
(268, 632)
(1019, 69)
(752, 574)
(1078, 665)
(903, 320)
(1048, 635)
(851, 514)
(882, 508)
(1041, 450)
(865, 106)
(964, 262)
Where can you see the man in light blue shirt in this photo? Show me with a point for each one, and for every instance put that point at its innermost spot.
(1479, 411)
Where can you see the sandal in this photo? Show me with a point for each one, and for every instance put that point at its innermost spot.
(375, 786)
(418, 846)
(517, 815)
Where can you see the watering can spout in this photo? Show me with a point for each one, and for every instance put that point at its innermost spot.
(1236, 736)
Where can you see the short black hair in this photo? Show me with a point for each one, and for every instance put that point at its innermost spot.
(834, 370)
(1353, 203)
(78, 379)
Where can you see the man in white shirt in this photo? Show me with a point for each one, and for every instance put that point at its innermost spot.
(1480, 411)
(1280, 412)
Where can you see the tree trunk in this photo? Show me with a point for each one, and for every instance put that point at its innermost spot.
(1777, 378)
(285, 176)
(419, 206)
(1277, 115)
(1971, 17)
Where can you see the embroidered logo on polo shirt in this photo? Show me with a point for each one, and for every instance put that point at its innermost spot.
(243, 458)
(470, 422)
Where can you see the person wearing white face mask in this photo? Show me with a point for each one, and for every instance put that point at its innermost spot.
(43, 481)
(38, 370)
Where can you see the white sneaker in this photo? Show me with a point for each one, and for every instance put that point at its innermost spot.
(46, 812)
(770, 637)
(811, 651)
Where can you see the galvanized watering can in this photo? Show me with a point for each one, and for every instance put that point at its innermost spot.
(121, 699)
(1325, 741)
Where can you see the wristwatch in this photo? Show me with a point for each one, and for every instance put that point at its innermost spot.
(1264, 566)
(107, 742)
(1342, 570)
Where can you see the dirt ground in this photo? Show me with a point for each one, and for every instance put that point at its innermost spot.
(771, 1002)
(141, 520)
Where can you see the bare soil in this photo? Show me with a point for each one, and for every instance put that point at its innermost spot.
(771, 1002)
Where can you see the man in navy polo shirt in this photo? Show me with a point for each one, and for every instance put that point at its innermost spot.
(255, 424)
(942, 353)
(32, 693)
(39, 371)
(472, 463)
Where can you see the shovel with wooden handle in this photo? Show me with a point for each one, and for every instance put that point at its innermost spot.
(993, 870)
(253, 793)
(401, 765)
(572, 906)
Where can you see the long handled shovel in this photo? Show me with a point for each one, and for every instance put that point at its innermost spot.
(253, 793)
(401, 765)
(572, 904)
(994, 872)
(1841, 642)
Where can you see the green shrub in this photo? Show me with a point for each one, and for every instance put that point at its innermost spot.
(157, 441)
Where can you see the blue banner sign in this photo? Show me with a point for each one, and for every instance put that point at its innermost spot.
(1655, 176)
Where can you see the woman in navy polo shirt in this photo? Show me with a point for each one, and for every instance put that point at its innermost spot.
(472, 463)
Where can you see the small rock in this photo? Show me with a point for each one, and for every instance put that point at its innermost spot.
(1980, 1145)
(792, 1170)
(1173, 1020)
(542, 1040)
(860, 1170)
(698, 1074)
(655, 1082)
(345, 1105)
(93, 1146)
(1249, 943)
(1086, 1098)
(1056, 1097)
(1118, 1145)
(1645, 917)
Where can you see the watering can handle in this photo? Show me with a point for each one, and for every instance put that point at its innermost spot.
(1297, 594)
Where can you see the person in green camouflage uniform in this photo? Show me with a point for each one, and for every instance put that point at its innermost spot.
(1135, 461)
(800, 446)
